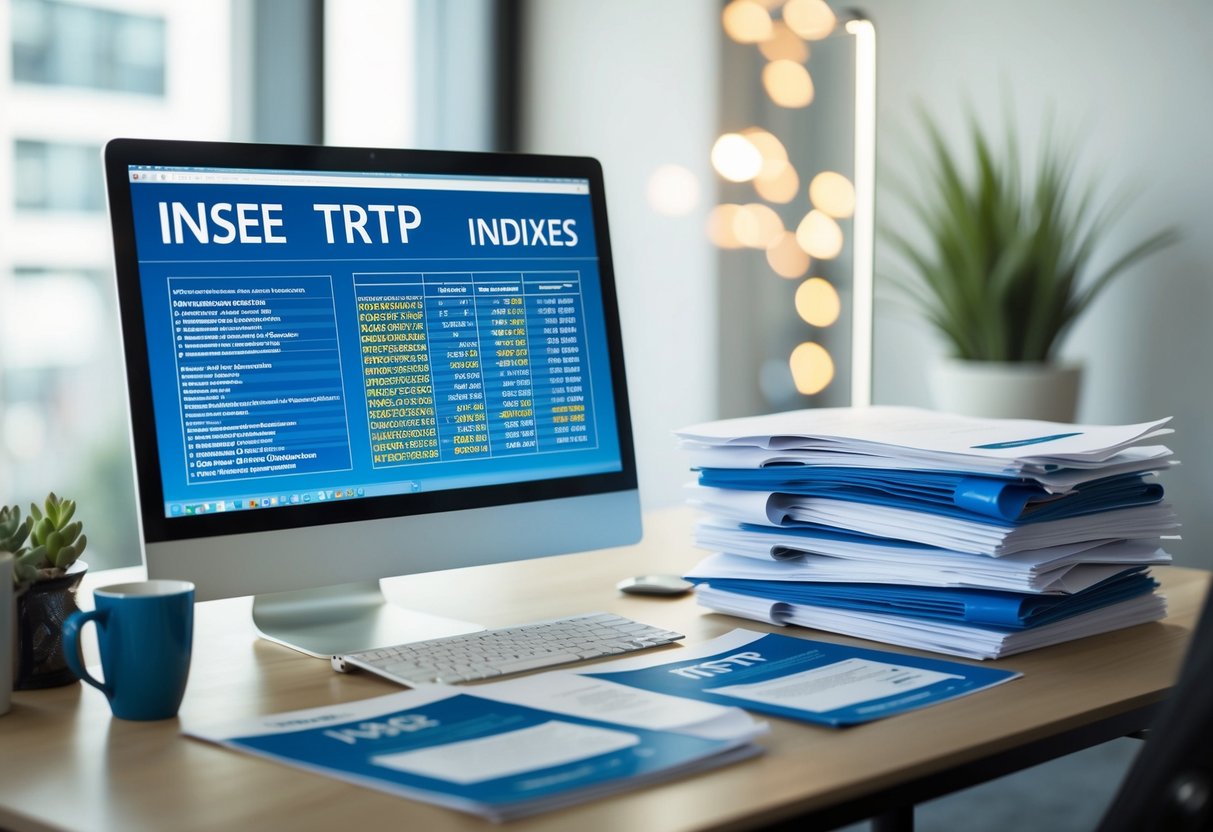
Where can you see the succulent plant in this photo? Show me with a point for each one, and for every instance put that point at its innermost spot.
(13, 531)
(55, 542)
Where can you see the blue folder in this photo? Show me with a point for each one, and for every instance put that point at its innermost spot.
(983, 607)
(822, 531)
(951, 495)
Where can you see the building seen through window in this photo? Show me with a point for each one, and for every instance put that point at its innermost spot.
(57, 176)
(74, 45)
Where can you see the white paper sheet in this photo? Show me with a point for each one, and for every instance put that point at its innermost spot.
(763, 508)
(553, 743)
(839, 685)
(1145, 459)
(883, 429)
(938, 636)
(573, 695)
(772, 543)
(1068, 579)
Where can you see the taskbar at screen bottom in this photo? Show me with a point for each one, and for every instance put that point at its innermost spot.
(260, 501)
(338, 491)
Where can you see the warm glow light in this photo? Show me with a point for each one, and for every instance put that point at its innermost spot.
(812, 368)
(786, 258)
(756, 225)
(746, 21)
(787, 83)
(784, 45)
(736, 158)
(833, 194)
(819, 235)
(768, 145)
(720, 226)
(673, 191)
(811, 19)
(778, 182)
(817, 302)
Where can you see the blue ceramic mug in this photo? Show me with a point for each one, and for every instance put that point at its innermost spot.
(145, 631)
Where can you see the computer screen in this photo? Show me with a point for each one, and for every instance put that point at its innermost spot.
(346, 363)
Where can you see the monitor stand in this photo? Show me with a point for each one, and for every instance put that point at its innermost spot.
(334, 620)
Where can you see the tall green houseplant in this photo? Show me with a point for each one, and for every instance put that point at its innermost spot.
(1004, 268)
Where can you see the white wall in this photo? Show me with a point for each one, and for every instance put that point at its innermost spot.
(1132, 82)
(634, 84)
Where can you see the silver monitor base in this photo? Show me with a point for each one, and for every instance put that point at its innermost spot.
(334, 620)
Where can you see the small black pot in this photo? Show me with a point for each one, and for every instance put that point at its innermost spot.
(42, 607)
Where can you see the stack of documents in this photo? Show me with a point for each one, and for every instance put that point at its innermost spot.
(976, 537)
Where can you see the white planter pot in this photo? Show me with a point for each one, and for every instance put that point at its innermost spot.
(1006, 390)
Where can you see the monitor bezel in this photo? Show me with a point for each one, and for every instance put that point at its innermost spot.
(120, 154)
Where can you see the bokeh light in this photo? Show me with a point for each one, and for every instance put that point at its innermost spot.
(786, 258)
(817, 302)
(833, 194)
(746, 21)
(812, 368)
(673, 190)
(788, 84)
(720, 226)
(784, 45)
(736, 158)
(23, 431)
(756, 225)
(769, 146)
(810, 19)
(819, 235)
(777, 182)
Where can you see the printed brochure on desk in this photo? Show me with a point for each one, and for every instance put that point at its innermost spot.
(490, 757)
(796, 678)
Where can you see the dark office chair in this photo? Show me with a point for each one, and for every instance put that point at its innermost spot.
(1170, 785)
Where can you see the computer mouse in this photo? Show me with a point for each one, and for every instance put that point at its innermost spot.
(655, 585)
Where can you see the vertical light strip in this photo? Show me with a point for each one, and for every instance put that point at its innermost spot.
(370, 83)
(864, 226)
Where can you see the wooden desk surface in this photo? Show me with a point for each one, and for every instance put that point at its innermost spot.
(66, 763)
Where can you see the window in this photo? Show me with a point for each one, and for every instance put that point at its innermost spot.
(74, 45)
(82, 71)
(56, 176)
(78, 74)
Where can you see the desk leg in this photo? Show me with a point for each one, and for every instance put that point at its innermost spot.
(895, 820)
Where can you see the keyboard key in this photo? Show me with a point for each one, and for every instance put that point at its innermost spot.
(547, 660)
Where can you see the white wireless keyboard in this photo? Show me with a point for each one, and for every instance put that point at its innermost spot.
(489, 653)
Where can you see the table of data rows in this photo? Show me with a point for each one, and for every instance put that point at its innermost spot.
(259, 377)
(468, 365)
(456, 366)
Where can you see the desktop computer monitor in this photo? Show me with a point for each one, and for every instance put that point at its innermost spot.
(346, 364)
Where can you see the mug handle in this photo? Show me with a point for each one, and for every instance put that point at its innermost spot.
(71, 646)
